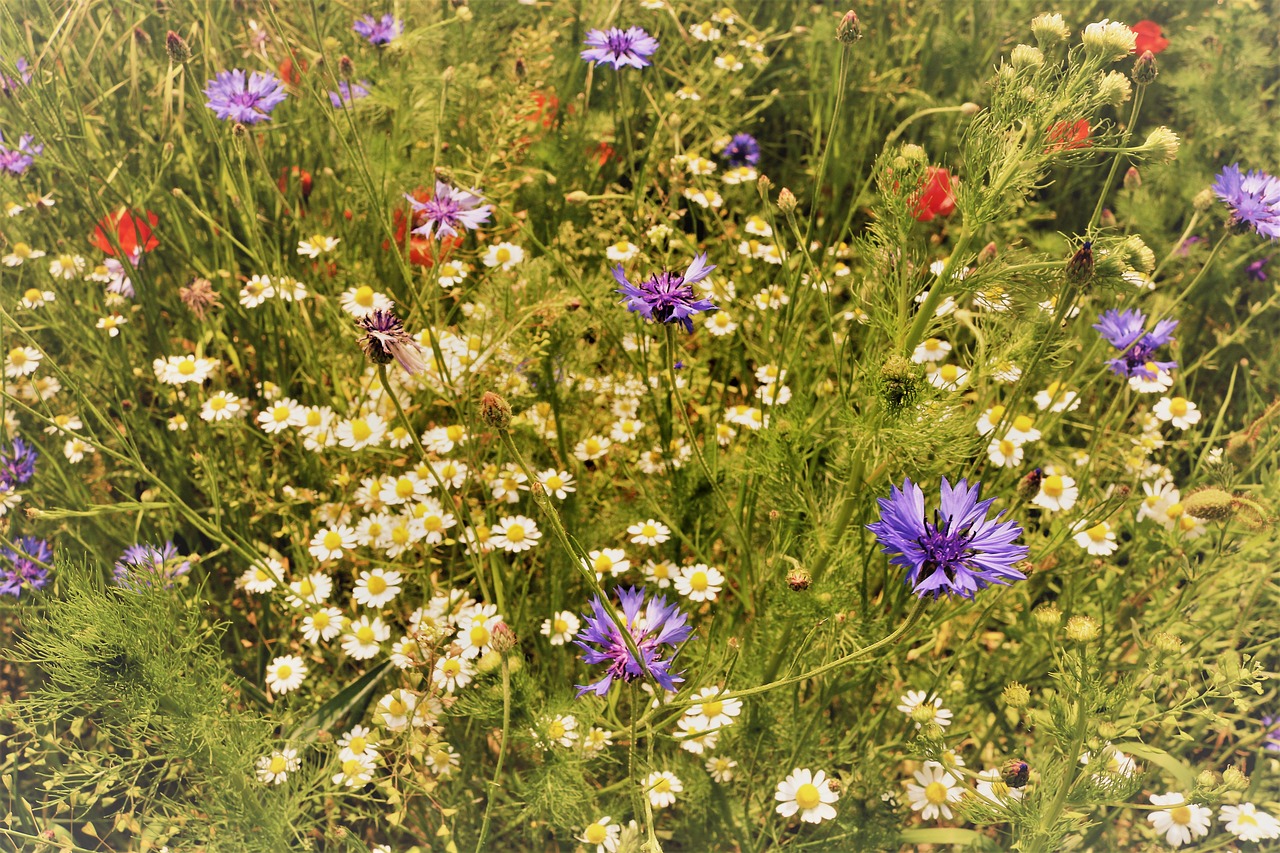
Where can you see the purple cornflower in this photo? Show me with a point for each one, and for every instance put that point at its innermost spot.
(385, 339)
(1271, 733)
(17, 466)
(25, 567)
(1254, 199)
(8, 85)
(1126, 331)
(16, 161)
(1258, 269)
(248, 100)
(347, 94)
(659, 625)
(448, 209)
(620, 47)
(379, 31)
(742, 150)
(960, 552)
(143, 564)
(667, 297)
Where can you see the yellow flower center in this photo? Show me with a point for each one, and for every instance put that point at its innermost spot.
(320, 620)
(1053, 486)
(1178, 406)
(648, 530)
(32, 295)
(360, 429)
(808, 796)
(698, 581)
(949, 372)
(662, 570)
(596, 834)
(932, 344)
(712, 709)
(400, 534)
(503, 255)
(332, 540)
(1246, 819)
(364, 296)
(1180, 815)
(187, 367)
(218, 403)
(515, 533)
(280, 414)
(357, 745)
(404, 487)
(602, 563)
(351, 767)
(1174, 510)
(397, 707)
(313, 418)
(559, 626)
(376, 585)
(1098, 533)
(1007, 447)
(22, 250)
(451, 667)
(455, 432)
(306, 587)
(556, 730)
(479, 635)
(277, 764)
(592, 446)
(1022, 423)
(662, 786)
(365, 634)
(935, 793)
(283, 671)
(554, 482)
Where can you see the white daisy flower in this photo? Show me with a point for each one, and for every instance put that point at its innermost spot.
(603, 834)
(364, 300)
(515, 533)
(649, 532)
(275, 768)
(364, 638)
(376, 588)
(317, 245)
(330, 543)
(699, 582)
(662, 787)
(505, 255)
(807, 793)
(1182, 822)
(1248, 823)
(610, 561)
(221, 406)
(322, 625)
(452, 673)
(936, 791)
(285, 673)
(1179, 411)
(1057, 492)
(1098, 539)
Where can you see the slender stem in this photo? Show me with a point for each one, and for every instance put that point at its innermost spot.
(1115, 163)
(495, 784)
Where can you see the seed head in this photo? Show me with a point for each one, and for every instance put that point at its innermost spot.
(1016, 695)
(1082, 629)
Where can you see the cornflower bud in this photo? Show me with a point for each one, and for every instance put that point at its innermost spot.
(1016, 773)
(504, 639)
(1029, 486)
(849, 30)
(1145, 68)
(239, 131)
(799, 579)
(786, 200)
(987, 254)
(495, 411)
(1081, 629)
(1080, 267)
(346, 68)
(177, 48)
(1132, 179)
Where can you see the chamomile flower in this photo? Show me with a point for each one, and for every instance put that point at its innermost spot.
(625, 429)
(361, 432)
(261, 579)
(275, 768)
(694, 737)
(931, 350)
(177, 369)
(556, 483)
(329, 543)
(66, 267)
(721, 768)
(1005, 453)
(1114, 762)
(220, 406)
(312, 589)
(256, 291)
(1179, 411)
(475, 630)
(1248, 823)
(376, 588)
(515, 533)
(285, 673)
(354, 773)
(649, 532)
(720, 323)
(662, 787)
(711, 711)
(1057, 398)
(396, 709)
(949, 377)
(560, 730)
(322, 625)
(281, 415)
(622, 251)
(452, 673)
(660, 572)
(914, 699)
(22, 361)
(1057, 492)
(596, 740)
(317, 245)
(364, 300)
(937, 790)
(1022, 430)
(444, 439)
(1098, 539)
(505, 255)
(451, 273)
(408, 487)
(1181, 822)
(591, 448)
(807, 793)
(603, 834)
(508, 485)
(19, 253)
(699, 582)
(364, 638)
(608, 561)
(76, 449)
(35, 298)
(359, 743)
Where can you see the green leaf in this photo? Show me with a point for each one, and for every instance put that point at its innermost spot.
(352, 699)
(943, 835)
(1180, 770)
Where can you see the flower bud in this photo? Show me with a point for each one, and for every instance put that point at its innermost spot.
(1166, 643)
(1016, 773)
(912, 153)
(495, 411)
(1132, 179)
(1081, 629)
(849, 30)
(1026, 56)
(987, 254)
(969, 108)
(1204, 200)
(1029, 486)
(1080, 267)
(1114, 88)
(1210, 504)
(1161, 145)
(1207, 779)
(786, 200)
(1108, 40)
(346, 68)
(177, 48)
(799, 579)
(1049, 30)
(1137, 253)
(1047, 615)
(504, 639)
(900, 383)
(1016, 695)
(576, 197)
(1145, 68)
(1235, 779)
(239, 131)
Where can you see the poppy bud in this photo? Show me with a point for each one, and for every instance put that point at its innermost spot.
(495, 411)
(1145, 68)
(178, 49)
(849, 29)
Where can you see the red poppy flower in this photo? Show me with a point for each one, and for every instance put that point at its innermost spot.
(548, 107)
(423, 251)
(303, 176)
(291, 70)
(1068, 136)
(1150, 37)
(128, 230)
(603, 153)
(935, 197)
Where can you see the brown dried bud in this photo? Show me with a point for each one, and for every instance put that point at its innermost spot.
(1145, 68)
(346, 68)
(178, 49)
(987, 254)
(849, 29)
(495, 411)
(239, 131)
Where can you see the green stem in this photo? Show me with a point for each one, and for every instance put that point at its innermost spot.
(495, 784)
(1115, 163)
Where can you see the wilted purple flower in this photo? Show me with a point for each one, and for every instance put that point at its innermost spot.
(1184, 248)
(346, 94)
(17, 160)
(1254, 199)
(385, 339)
(1257, 269)
(659, 625)
(960, 552)
(118, 280)
(619, 47)
(24, 565)
(233, 97)
(379, 30)
(17, 466)
(1126, 330)
(667, 297)
(742, 150)
(145, 565)
(8, 85)
(447, 210)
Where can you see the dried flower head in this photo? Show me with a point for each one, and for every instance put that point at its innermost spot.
(385, 339)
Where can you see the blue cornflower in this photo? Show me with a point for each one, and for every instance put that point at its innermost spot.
(620, 47)
(8, 85)
(449, 209)
(248, 100)
(1258, 269)
(1126, 331)
(24, 567)
(1270, 733)
(742, 150)
(348, 93)
(659, 625)
(16, 161)
(960, 552)
(379, 31)
(1254, 199)
(667, 297)
(17, 466)
(143, 565)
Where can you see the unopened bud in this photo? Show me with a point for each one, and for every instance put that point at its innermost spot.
(799, 579)
(177, 48)
(1235, 779)
(1162, 145)
(1107, 730)
(239, 131)
(1210, 504)
(1047, 615)
(1049, 29)
(1132, 179)
(1081, 629)
(1166, 643)
(969, 108)
(1026, 56)
(1145, 68)
(1016, 695)
(1029, 486)
(764, 185)
(1080, 267)
(495, 411)
(900, 382)
(924, 713)
(849, 29)
(1207, 779)
(346, 68)
(987, 254)
(1204, 200)
(504, 639)
(912, 153)
(786, 200)
(1016, 773)
(521, 70)
(576, 197)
